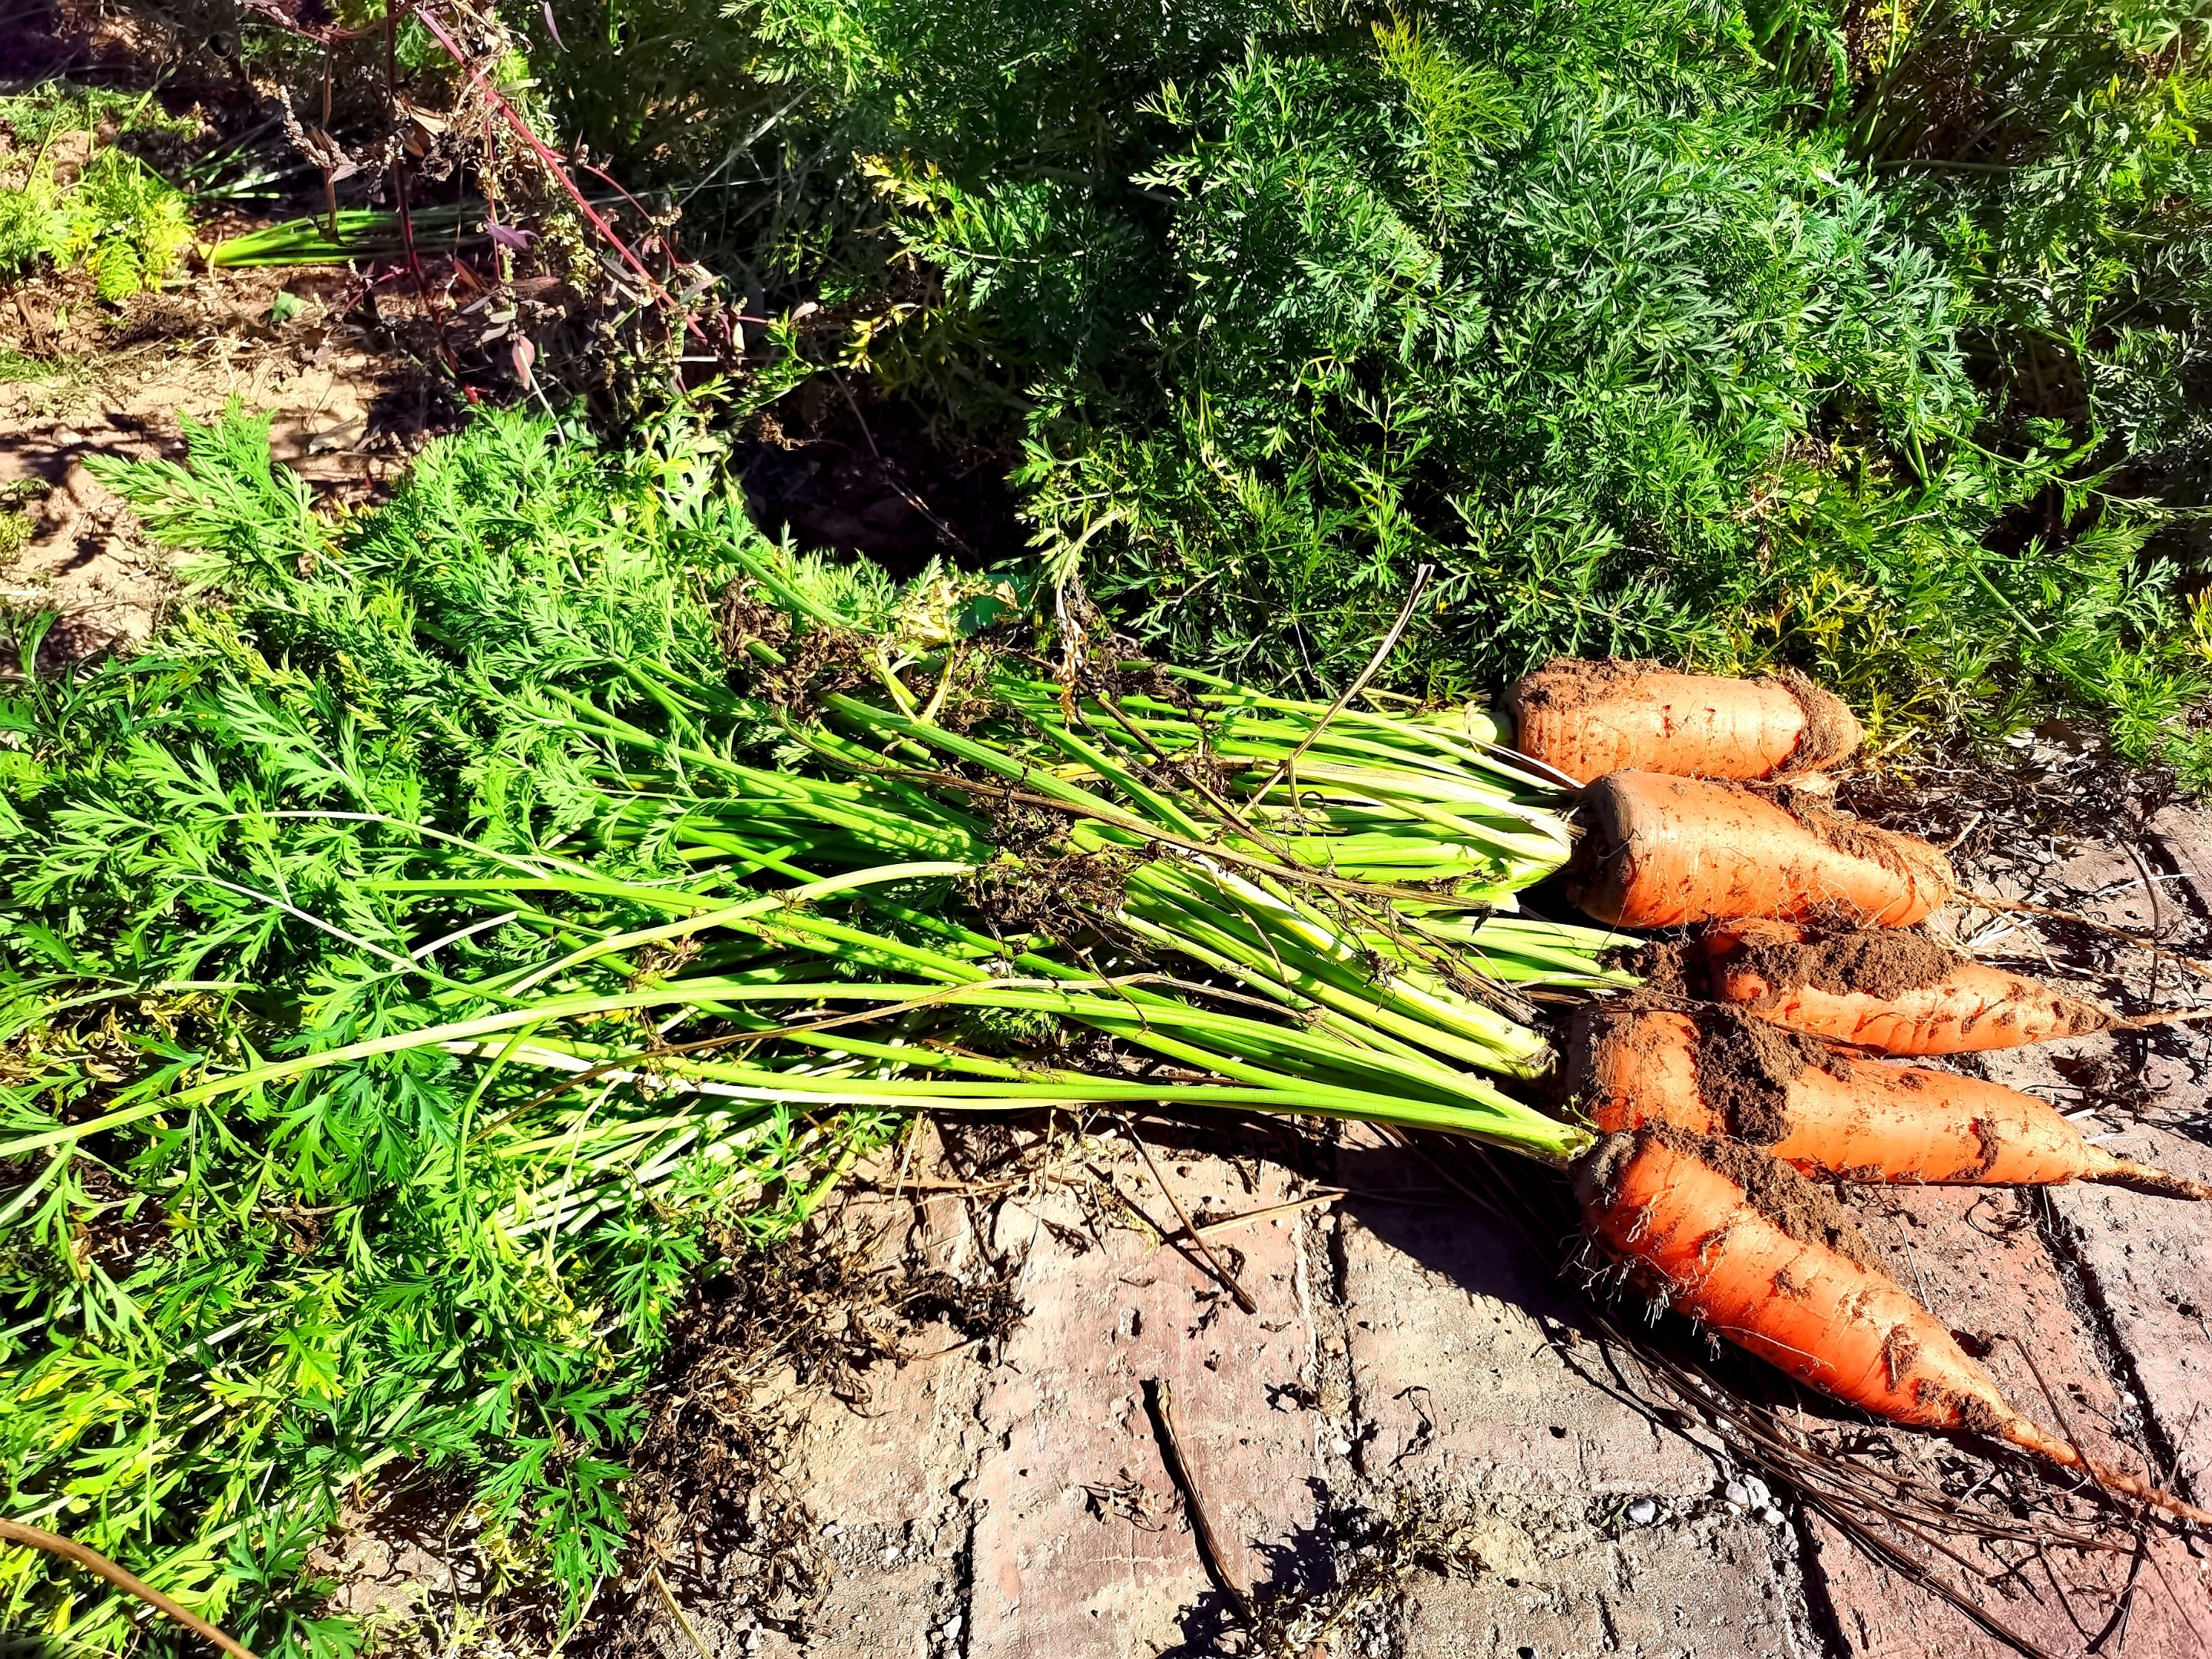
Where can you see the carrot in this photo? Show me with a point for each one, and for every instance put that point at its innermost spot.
(1826, 1113)
(1659, 852)
(1762, 1256)
(1903, 994)
(1586, 718)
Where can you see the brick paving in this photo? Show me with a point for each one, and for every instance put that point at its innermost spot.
(1021, 1508)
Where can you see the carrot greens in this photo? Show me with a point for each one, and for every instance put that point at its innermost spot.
(506, 900)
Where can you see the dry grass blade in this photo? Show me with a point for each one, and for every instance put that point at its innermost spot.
(1190, 1229)
(1270, 1213)
(676, 1610)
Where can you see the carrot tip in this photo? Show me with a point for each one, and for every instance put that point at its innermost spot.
(2031, 1437)
(2147, 1178)
(2137, 1487)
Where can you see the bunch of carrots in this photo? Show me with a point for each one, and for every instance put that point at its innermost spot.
(1719, 1098)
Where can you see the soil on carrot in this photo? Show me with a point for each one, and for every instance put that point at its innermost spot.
(1831, 732)
(1565, 683)
(1876, 961)
(1745, 1068)
(1802, 1209)
(1669, 968)
(2015, 817)
(1848, 836)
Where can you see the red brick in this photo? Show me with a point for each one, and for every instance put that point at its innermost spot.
(1054, 1580)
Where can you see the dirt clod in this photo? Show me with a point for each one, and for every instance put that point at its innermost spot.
(1899, 1352)
(1876, 961)
(1663, 965)
(1745, 1067)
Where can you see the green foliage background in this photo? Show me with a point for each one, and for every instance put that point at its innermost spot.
(1866, 338)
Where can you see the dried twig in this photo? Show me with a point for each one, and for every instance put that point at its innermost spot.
(69, 1549)
(1159, 1396)
(1230, 1224)
(548, 159)
(1190, 1230)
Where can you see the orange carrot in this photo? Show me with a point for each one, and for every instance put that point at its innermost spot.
(1903, 994)
(1659, 852)
(1749, 1249)
(1586, 718)
(1826, 1113)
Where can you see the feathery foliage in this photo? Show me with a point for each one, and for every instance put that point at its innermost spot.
(1865, 341)
(416, 962)
(221, 1320)
(112, 213)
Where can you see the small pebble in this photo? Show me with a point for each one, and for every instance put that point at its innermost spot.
(1757, 1494)
(831, 1529)
(1643, 1512)
(1772, 1517)
(1340, 1446)
(1738, 1495)
(951, 1630)
(890, 1557)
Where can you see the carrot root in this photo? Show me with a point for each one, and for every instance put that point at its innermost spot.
(1743, 1245)
(1586, 719)
(1901, 993)
(1720, 1073)
(2147, 1178)
(1660, 852)
(2028, 1436)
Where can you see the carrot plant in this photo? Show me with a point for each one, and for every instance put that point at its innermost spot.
(97, 205)
(421, 959)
